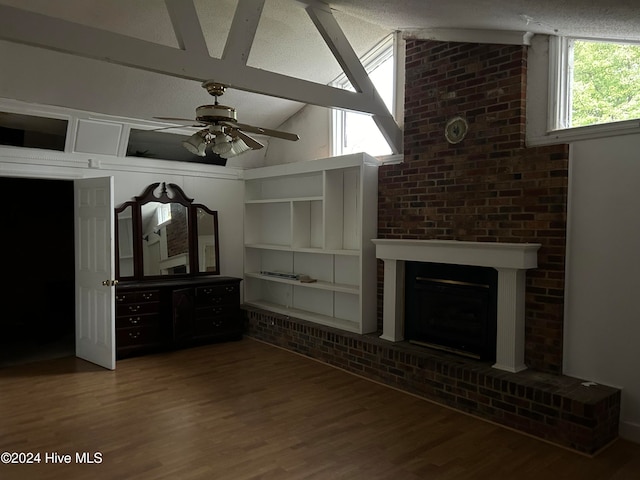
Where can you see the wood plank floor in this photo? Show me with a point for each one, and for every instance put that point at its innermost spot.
(247, 410)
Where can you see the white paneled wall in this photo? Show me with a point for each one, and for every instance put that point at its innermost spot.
(602, 321)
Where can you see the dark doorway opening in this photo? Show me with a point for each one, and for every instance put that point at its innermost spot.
(38, 299)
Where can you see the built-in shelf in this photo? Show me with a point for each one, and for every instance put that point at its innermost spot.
(285, 200)
(314, 218)
(265, 246)
(335, 287)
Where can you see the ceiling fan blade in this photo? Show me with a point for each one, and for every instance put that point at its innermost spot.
(266, 131)
(174, 119)
(251, 142)
(175, 126)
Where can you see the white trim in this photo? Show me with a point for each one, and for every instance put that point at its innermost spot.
(511, 260)
(589, 132)
(560, 100)
(337, 132)
(39, 163)
(243, 31)
(186, 26)
(559, 83)
(630, 431)
(399, 60)
(370, 60)
(469, 35)
(391, 159)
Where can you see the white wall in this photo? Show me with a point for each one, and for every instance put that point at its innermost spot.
(602, 317)
(537, 88)
(602, 324)
(312, 124)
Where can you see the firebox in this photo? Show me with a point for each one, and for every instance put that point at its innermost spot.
(452, 307)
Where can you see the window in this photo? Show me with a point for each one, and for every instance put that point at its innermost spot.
(166, 146)
(596, 82)
(356, 132)
(163, 214)
(29, 131)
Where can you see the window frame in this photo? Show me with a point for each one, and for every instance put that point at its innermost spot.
(559, 107)
(381, 52)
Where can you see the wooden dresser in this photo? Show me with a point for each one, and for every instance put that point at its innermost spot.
(153, 315)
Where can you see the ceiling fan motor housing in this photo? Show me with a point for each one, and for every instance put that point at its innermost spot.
(215, 113)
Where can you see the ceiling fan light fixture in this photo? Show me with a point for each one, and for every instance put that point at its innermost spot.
(227, 137)
(197, 143)
(221, 144)
(237, 147)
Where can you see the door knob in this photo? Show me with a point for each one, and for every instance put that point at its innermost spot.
(109, 283)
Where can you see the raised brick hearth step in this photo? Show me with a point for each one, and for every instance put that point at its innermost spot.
(556, 408)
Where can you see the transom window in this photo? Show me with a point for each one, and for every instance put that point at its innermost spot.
(596, 82)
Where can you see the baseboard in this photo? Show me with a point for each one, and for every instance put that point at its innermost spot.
(629, 431)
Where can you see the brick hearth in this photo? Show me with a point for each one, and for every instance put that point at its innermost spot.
(556, 408)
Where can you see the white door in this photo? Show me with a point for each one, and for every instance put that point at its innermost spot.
(95, 270)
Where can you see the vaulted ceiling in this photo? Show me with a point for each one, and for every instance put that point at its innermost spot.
(146, 58)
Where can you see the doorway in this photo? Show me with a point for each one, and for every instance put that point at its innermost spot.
(38, 299)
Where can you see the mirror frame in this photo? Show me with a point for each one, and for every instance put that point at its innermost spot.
(169, 193)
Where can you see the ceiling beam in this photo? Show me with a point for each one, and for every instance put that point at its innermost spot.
(38, 30)
(243, 31)
(337, 42)
(339, 45)
(186, 26)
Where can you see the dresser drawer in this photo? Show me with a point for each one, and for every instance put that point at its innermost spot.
(144, 335)
(216, 311)
(129, 309)
(137, 320)
(217, 295)
(137, 297)
(212, 326)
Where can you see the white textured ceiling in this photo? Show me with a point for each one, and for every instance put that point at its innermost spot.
(286, 42)
(617, 19)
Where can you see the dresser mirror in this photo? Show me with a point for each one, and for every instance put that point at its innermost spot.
(162, 233)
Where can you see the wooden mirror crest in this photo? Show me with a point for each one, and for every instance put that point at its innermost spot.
(162, 233)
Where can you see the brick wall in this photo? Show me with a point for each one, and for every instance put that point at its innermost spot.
(487, 188)
(177, 231)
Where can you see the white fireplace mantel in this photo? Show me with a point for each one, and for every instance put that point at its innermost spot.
(511, 260)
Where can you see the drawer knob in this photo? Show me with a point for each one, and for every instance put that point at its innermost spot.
(134, 308)
(134, 335)
(134, 321)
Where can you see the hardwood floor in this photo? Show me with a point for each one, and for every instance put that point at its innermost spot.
(247, 410)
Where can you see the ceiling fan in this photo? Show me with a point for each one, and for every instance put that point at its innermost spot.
(221, 130)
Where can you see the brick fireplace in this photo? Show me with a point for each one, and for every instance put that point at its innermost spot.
(488, 189)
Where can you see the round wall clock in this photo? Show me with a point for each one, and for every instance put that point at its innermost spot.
(456, 130)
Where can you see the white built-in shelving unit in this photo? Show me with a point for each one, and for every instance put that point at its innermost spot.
(314, 218)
